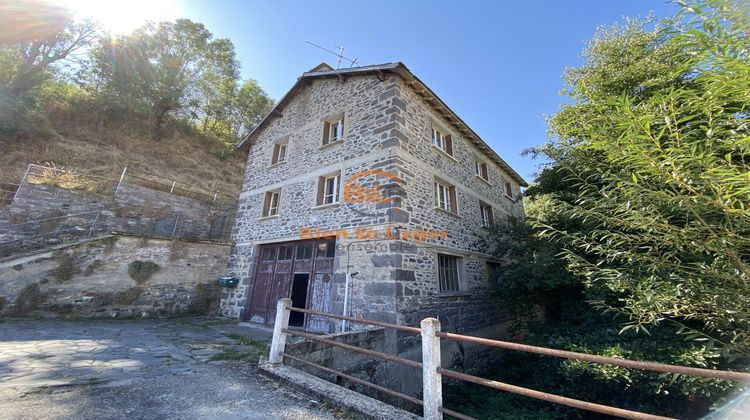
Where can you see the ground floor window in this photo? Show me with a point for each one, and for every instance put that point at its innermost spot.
(449, 273)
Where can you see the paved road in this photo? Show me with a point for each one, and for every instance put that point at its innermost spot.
(136, 369)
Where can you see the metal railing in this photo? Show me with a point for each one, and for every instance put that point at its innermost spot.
(432, 372)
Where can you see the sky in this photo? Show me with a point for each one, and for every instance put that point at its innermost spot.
(497, 64)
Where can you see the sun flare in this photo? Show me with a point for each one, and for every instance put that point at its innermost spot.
(120, 17)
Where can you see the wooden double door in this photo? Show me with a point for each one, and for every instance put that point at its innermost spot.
(300, 270)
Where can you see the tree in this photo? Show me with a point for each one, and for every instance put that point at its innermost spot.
(657, 145)
(28, 56)
(169, 68)
(232, 111)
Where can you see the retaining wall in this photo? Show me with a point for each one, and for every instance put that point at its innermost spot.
(115, 276)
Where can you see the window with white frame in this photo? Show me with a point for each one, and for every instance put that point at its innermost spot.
(486, 213)
(445, 196)
(442, 141)
(333, 130)
(279, 153)
(449, 273)
(271, 203)
(328, 189)
(481, 170)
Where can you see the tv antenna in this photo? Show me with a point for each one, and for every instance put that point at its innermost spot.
(340, 55)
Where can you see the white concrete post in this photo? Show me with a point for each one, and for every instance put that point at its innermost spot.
(432, 383)
(278, 342)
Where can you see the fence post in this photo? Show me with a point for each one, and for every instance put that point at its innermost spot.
(122, 177)
(278, 342)
(93, 224)
(20, 184)
(432, 383)
(176, 220)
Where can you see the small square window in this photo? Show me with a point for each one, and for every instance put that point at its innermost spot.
(486, 213)
(304, 251)
(442, 141)
(333, 130)
(445, 196)
(268, 254)
(271, 203)
(449, 273)
(285, 252)
(328, 189)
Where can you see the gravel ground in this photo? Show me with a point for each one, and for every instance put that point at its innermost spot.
(139, 369)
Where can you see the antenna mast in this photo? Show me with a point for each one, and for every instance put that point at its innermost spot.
(352, 62)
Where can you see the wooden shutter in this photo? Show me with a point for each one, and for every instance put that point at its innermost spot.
(489, 216)
(452, 192)
(275, 157)
(483, 168)
(321, 188)
(448, 144)
(340, 129)
(326, 130)
(266, 203)
(508, 190)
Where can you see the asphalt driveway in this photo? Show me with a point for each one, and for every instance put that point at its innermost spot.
(179, 368)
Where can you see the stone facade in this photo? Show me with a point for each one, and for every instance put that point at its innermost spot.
(388, 246)
(114, 276)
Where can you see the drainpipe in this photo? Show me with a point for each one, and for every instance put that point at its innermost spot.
(347, 285)
(346, 297)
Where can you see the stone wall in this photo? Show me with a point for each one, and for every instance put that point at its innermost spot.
(41, 209)
(387, 128)
(115, 276)
(462, 357)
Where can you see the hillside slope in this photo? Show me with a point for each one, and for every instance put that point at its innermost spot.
(80, 141)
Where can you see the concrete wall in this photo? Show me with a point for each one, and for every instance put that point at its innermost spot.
(115, 276)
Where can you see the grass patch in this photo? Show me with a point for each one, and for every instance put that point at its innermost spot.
(237, 356)
(251, 350)
(247, 341)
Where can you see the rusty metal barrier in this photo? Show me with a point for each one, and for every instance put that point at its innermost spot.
(432, 406)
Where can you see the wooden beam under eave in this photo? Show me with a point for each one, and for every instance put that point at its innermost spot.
(381, 76)
(341, 77)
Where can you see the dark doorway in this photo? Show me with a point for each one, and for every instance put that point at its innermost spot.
(299, 298)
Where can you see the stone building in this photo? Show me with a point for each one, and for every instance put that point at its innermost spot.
(364, 194)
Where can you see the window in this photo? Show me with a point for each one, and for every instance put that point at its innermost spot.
(442, 141)
(445, 197)
(328, 189)
(285, 252)
(493, 274)
(271, 203)
(304, 251)
(486, 212)
(327, 249)
(333, 130)
(508, 190)
(279, 153)
(268, 254)
(481, 169)
(448, 273)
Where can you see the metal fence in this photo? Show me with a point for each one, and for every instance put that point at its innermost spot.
(432, 372)
(63, 178)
